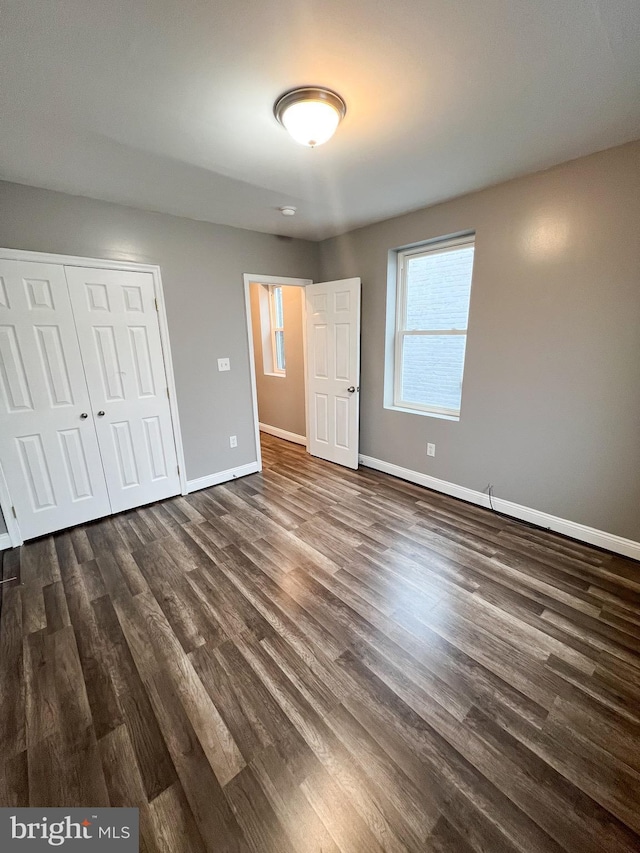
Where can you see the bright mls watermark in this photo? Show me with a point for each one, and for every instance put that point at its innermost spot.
(104, 830)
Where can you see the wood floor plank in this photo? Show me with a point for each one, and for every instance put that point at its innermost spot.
(445, 839)
(144, 616)
(105, 709)
(546, 795)
(347, 828)
(14, 781)
(318, 660)
(152, 757)
(245, 727)
(63, 761)
(173, 822)
(13, 739)
(293, 810)
(254, 813)
(214, 818)
(370, 801)
(124, 783)
(417, 808)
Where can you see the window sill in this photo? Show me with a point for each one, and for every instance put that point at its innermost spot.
(279, 375)
(408, 411)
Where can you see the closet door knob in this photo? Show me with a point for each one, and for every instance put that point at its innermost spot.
(351, 389)
(84, 416)
(100, 413)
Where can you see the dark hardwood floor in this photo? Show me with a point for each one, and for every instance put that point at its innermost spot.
(319, 660)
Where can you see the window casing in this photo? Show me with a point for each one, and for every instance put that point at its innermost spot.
(433, 290)
(276, 318)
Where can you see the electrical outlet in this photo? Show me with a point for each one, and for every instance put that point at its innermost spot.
(233, 441)
(224, 364)
(431, 449)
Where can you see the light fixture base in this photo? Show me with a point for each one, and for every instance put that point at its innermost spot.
(311, 114)
(309, 93)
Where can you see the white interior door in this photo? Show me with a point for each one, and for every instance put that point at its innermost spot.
(333, 370)
(117, 324)
(48, 445)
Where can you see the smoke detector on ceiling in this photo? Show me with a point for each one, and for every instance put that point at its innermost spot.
(288, 210)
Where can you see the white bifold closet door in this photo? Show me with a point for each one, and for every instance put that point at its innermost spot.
(117, 324)
(48, 444)
(85, 423)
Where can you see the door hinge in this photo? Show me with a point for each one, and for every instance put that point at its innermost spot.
(156, 301)
(168, 394)
(13, 510)
(178, 467)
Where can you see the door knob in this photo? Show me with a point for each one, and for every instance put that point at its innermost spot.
(100, 413)
(351, 389)
(84, 415)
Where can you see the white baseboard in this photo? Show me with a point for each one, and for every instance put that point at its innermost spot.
(222, 477)
(591, 535)
(283, 433)
(5, 541)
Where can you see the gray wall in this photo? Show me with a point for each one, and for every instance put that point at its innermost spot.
(281, 401)
(551, 395)
(202, 266)
(551, 398)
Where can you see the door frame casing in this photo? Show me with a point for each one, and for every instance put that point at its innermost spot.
(249, 279)
(6, 505)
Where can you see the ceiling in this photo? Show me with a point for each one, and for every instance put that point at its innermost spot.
(167, 104)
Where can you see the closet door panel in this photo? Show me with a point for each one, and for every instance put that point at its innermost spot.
(48, 450)
(117, 325)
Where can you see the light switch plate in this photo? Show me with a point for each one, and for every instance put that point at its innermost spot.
(224, 364)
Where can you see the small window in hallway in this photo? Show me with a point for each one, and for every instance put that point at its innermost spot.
(269, 318)
(276, 316)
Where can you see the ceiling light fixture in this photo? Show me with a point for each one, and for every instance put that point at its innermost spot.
(311, 114)
(288, 210)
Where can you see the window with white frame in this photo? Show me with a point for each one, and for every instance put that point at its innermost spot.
(276, 323)
(432, 311)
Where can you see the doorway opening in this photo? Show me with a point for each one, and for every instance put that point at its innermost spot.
(276, 321)
(329, 334)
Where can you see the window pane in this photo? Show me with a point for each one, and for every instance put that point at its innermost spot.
(279, 312)
(280, 350)
(432, 370)
(438, 289)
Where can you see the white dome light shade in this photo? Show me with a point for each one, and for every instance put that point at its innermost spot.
(311, 115)
(311, 122)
